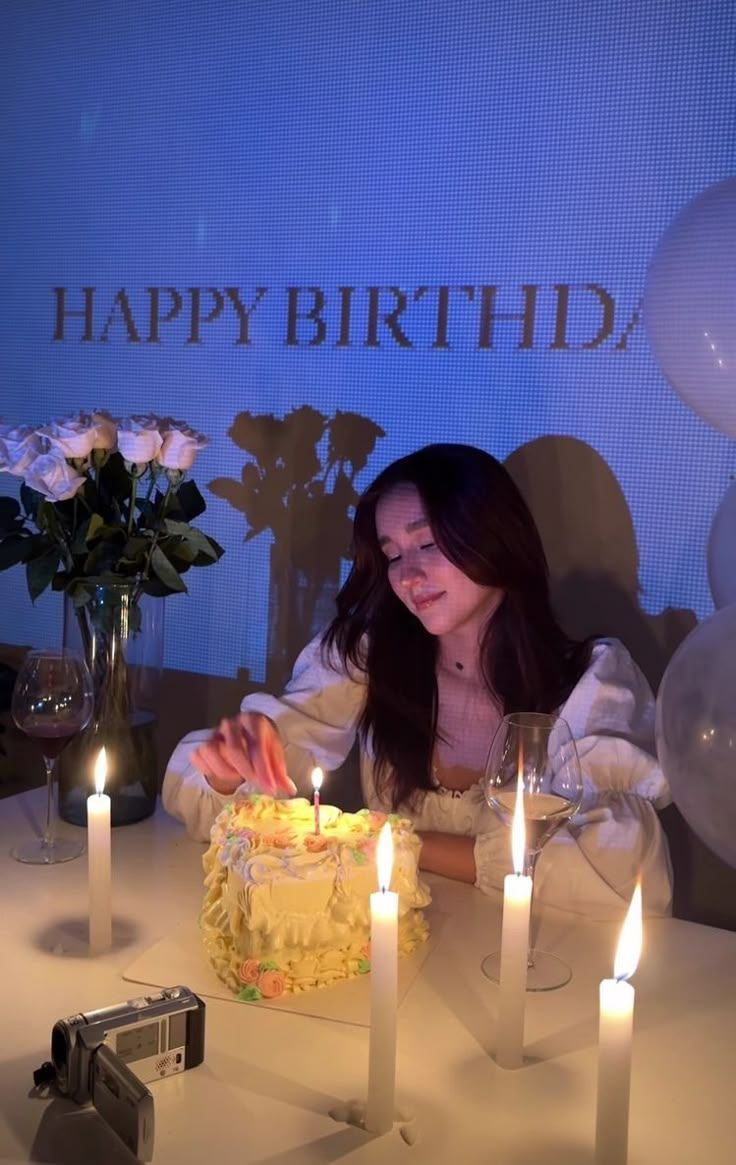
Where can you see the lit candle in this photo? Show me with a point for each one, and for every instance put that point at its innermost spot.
(98, 852)
(317, 778)
(517, 898)
(614, 1043)
(384, 954)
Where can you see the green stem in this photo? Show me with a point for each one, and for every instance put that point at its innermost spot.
(50, 523)
(133, 494)
(151, 485)
(85, 636)
(154, 543)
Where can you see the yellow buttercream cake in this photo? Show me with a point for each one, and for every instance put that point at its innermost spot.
(286, 908)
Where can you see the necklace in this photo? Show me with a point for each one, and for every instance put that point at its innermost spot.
(465, 708)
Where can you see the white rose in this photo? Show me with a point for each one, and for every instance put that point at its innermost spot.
(105, 430)
(72, 436)
(19, 446)
(139, 439)
(180, 445)
(53, 476)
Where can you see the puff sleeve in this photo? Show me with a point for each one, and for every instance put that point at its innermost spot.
(591, 865)
(316, 717)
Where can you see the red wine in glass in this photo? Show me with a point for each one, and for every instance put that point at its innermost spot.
(51, 739)
(52, 701)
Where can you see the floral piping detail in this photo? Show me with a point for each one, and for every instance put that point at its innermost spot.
(263, 980)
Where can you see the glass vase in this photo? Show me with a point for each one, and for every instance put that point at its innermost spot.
(122, 635)
(300, 604)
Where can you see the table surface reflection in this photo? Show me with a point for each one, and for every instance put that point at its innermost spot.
(270, 1078)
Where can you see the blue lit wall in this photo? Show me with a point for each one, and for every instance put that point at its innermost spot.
(539, 149)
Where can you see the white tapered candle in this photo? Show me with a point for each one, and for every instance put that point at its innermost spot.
(384, 988)
(614, 1043)
(517, 898)
(99, 862)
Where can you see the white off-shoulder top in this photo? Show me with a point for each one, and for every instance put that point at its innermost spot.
(590, 866)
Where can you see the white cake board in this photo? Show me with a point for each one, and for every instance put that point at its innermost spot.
(180, 958)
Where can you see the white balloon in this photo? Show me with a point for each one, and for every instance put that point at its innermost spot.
(696, 731)
(689, 307)
(722, 551)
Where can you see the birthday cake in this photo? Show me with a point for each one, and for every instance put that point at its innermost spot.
(287, 908)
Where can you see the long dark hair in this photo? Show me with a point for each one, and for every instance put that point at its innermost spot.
(483, 526)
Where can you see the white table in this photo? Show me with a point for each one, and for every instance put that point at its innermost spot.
(270, 1078)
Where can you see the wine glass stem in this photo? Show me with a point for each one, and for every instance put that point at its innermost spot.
(48, 833)
(531, 863)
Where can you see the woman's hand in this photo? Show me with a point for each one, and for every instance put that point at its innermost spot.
(244, 748)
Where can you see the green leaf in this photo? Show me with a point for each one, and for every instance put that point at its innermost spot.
(217, 550)
(79, 592)
(198, 541)
(136, 546)
(249, 994)
(115, 479)
(79, 542)
(189, 501)
(47, 516)
(180, 553)
(153, 586)
(15, 548)
(103, 558)
(163, 569)
(9, 511)
(40, 571)
(209, 559)
(96, 527)
(30, 499)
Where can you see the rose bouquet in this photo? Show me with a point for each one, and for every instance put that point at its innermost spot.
(105, 515)
(109, 501)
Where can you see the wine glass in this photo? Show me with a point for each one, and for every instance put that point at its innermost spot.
(538, 748)
(52, 701)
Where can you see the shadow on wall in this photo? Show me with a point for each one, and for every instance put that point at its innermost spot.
(589, 539)
(298, 483)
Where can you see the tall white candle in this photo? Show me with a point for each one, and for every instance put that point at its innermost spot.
(317, 778)
(517, 898)
(384, 956)
(614, 1044)
(99, 867)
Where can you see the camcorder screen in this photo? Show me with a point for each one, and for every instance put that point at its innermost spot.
(138, 1043)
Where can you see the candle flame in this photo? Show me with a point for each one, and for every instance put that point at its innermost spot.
(518, 830)
(630, 942)
(100, 771)
(317, 778)
(385, 857)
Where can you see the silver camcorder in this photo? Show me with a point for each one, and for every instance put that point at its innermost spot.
(106, 1056)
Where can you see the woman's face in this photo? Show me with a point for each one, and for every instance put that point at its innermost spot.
(435, 590)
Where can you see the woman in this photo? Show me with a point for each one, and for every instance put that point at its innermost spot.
(444, 624)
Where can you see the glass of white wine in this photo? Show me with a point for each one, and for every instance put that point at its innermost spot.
(538, 748)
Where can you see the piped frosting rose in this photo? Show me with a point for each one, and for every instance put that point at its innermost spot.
(271, 984)
(249, 971)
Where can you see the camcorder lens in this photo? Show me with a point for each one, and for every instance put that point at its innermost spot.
(60, 1054)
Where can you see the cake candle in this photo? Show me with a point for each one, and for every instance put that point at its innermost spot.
(614, 1043)
(517, 898)
(317, 778)
(98, 862)
(379, 1115)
